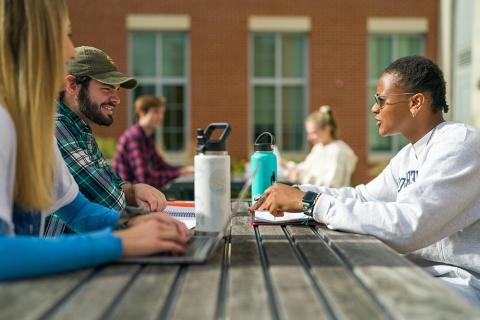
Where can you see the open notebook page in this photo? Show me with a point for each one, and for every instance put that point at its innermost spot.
(184, 212)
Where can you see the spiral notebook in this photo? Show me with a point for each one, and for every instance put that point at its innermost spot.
(183, 211)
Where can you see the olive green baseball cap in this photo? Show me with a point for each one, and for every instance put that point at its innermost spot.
(96, 64)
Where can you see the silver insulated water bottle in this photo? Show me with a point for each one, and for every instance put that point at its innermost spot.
(212, 179)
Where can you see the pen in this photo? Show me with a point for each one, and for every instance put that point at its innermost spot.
(258, 203)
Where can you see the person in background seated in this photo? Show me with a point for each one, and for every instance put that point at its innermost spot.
(34, 180)
(426, 202)
(331, 162)
(136, 158)
(91, 96)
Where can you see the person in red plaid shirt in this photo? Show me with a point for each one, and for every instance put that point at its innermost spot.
(136, 159)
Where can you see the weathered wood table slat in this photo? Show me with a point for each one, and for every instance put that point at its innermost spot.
(265, 272)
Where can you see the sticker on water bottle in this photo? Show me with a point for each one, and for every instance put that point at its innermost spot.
(217, 181)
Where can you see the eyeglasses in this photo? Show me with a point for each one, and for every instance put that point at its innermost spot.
(380, 101)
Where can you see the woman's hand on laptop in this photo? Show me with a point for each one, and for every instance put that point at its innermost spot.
(153, 236)
(280, 198)
(163, 218)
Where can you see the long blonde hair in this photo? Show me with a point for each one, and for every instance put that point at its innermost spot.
(31, 73)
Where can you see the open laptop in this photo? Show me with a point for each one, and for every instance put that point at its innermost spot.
(202, 244)
(199, 248)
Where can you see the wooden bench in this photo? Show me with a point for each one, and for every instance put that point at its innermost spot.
(266, 272)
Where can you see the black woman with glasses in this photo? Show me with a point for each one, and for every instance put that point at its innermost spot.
(426, 202)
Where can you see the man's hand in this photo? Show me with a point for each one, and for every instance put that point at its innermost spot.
(279, 198)
(149, 197)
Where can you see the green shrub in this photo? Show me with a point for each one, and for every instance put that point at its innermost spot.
(107, 147)
(238, 166)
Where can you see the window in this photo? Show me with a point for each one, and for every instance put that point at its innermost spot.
(159, 61)
(383, 50)
(279, 87)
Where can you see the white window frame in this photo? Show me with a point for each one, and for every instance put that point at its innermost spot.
(184, 155)
(278, 83)
(278, 25)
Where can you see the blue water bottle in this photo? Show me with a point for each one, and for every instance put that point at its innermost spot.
(263, 165)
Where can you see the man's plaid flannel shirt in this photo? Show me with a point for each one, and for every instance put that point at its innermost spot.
(95, 178)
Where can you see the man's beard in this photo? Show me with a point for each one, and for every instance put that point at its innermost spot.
(92, 110)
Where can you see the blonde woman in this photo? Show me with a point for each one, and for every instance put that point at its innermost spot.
(331, 162)
(34, 181)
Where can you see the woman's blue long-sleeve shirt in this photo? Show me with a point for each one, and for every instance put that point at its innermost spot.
(25, 255)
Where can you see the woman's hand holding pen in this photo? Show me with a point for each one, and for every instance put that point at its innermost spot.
(278, 199)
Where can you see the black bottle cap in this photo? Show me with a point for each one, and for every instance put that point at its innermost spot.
(204, 143)
(264, 146)
(200, 140)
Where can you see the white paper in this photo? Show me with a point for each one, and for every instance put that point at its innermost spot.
(183, 214)
(265, 216)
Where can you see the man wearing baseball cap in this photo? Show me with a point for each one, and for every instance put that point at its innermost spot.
(91, 96)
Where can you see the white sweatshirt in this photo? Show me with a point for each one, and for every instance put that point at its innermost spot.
(329, 165)
(426, 202)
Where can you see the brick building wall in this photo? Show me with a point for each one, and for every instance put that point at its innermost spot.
(219, 53)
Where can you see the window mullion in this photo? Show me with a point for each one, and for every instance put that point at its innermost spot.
(278, 90)
(130, 117)
(159, 64)
(251, 111)
(306, 87)
(160, 134)
(186, 92)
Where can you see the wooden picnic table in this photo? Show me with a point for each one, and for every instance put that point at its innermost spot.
(265, 272)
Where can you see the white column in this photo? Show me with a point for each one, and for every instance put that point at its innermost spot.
(445, 48)
(475, 88)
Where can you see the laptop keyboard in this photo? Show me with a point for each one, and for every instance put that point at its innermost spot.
(198, 250)
(196, 244)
